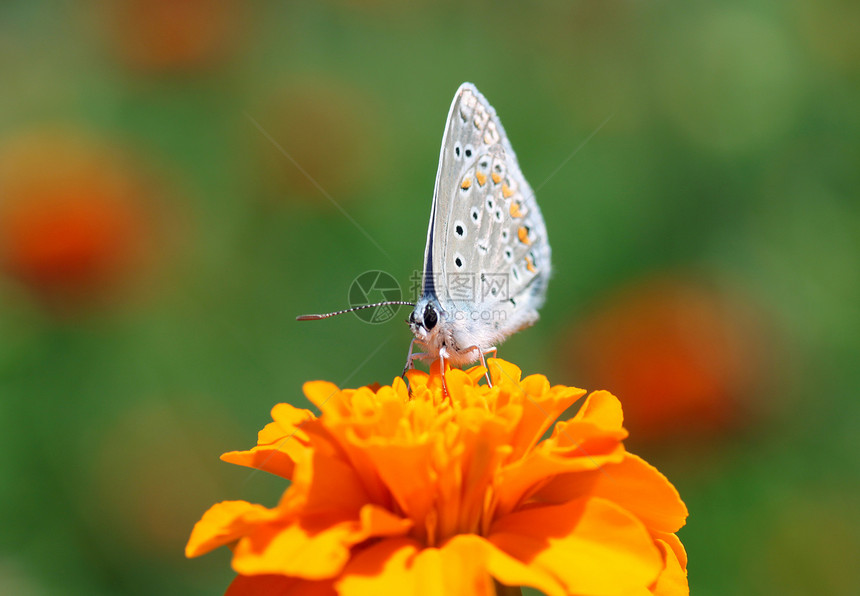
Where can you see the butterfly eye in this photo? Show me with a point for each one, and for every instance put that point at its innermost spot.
(430, 318)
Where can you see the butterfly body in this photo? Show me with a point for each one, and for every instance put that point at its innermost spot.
(487, 258)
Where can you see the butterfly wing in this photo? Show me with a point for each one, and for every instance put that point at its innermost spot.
(487, 257)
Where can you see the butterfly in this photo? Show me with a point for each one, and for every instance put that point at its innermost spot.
(487, 257)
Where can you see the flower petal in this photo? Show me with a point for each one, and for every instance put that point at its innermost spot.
(673, 578)
(383, 568)
(376, 521)
(539, 412)
(673, 541)
(225, 522)
(406, 471)
(517, 482)
(589, 441)
(254, 585)
(327, 483)
(633, 483)
(401, 566)
(279, 444)
(640, 488)
(313, 548)
(505, 568)
(321, 394)
(603, 409)
(503, 372)
(591, 546)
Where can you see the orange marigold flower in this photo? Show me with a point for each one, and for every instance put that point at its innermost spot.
(399, 492)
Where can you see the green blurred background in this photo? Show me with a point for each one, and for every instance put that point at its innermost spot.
(156, 246)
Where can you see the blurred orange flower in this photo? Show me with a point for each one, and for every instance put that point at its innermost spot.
(686, 356)
(174, 35)
(75, 219)
(399, 493)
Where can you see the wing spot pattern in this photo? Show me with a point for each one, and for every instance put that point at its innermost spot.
(491, 135)
(523, 235)
(530, 264)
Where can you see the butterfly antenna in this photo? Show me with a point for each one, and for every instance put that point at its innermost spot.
(353, 309)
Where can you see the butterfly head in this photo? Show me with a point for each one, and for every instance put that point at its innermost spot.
(425, 320)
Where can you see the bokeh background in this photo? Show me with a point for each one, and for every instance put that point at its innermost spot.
(165, 175)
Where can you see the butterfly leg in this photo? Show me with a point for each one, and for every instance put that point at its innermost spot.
(410, 358)
(442, 353)
(481, 354)
(495, 351)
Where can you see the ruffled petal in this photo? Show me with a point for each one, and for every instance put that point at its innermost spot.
(522, 480)
(278, 585)
(406, 472)
(502, 566)
(376, 521)
(633, 483)
(591, 546)
(675, 543)
(539, 412)
(322, 394)
(313, 548)
(401, 566)
(673, 578)
(602, 409)
(225, 522)
(590, 441)
(279, 444)
(383, 568)
(503, 372)
(327, 483)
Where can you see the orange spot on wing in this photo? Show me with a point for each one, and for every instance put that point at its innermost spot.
(466, 184)
(496, 178)
(506, 191)
(482, 179)
(515, 211)
(523, 235)
(529, 264)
